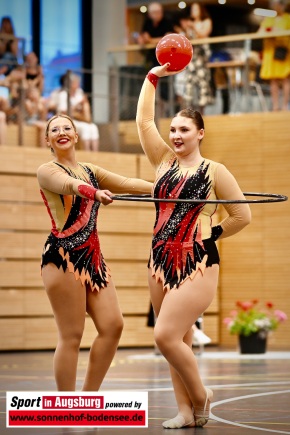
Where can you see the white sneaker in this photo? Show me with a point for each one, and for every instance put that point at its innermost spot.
(199, 337)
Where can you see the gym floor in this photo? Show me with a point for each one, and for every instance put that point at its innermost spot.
(251, 392)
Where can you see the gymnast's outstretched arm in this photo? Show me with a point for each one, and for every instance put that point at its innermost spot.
(53, 178)
(119, 184)
(239, 215)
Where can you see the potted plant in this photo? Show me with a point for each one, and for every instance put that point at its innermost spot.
(251, 323)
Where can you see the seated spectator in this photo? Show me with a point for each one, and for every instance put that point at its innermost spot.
(4, 93)
(52, 100)
(33, 72)
(80, 112)
(8, 46)
(35, 112)
(16, 83)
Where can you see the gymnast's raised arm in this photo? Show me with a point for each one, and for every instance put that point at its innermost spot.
(152, 143)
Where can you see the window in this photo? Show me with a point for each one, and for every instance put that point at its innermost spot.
(21, 19)
(60, 39)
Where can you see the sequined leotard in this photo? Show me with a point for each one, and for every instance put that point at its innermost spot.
(182, 240)
(73, 242)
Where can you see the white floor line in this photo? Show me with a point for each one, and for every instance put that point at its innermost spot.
(248, 396)
(221, 355)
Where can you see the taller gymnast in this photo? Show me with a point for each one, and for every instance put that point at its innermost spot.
(75, 275)
(184, 263)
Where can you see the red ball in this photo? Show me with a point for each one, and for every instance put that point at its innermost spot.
(175, 49)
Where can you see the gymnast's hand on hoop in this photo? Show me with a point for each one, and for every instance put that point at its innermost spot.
(161, 71)
(104, 197)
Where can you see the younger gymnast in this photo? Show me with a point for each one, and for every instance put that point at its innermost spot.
(75, 275)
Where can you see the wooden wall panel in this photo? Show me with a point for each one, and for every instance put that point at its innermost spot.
(112, 219)
(30, 136)
(211, 328)
(129, 132)
(26, 274)
(145, 168)
(34, 302)
(40, 333)
(22, 302)
(254, 263)
(27, 160)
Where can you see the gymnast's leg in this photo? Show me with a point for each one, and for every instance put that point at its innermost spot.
(68, 300)
(179, 310)
(103, 307)
(184, 403)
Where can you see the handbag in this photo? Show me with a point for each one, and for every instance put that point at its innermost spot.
(280, 52)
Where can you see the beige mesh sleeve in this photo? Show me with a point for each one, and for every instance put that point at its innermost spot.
(152, 143)
(239, 215)
(54, 179)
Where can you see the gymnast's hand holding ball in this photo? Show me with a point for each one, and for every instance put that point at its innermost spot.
(163, 71)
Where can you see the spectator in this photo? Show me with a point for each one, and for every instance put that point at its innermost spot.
(4, 92)
(16, 83)
(181, 26)
(33, 72)
(36, 112)
(155, 26)
(52, 100)
(8, 46)
(81, 113)
(197, 90)
(276, 55)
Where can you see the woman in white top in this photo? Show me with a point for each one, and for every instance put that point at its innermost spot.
(81, 113)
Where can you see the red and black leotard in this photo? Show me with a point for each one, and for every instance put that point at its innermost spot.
(183, 238)
(68, 194)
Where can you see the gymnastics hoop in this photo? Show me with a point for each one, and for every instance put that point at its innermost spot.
(267, 197)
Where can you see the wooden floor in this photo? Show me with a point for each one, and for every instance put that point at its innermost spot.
(251, 392)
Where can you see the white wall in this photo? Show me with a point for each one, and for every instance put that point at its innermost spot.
(109, 30)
